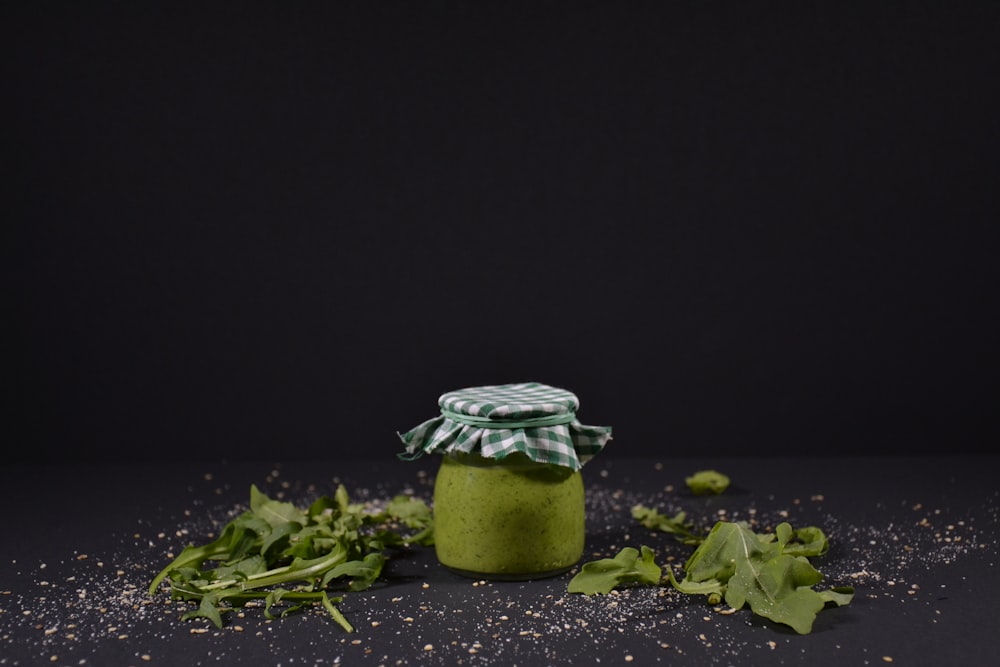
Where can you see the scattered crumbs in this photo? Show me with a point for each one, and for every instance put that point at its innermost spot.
(478, 622)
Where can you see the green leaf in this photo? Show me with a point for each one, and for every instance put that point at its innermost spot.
(207, 608)
(628, 567)
(279, 536)
(809, 541)
(778, 589)
(707, 482)
(342, 499)
(275, 597)
(241, 570)
(323, 509)
(708, 587)
(838, 595)
(677, 525)
(274, 512)
(767, 572)
(233, 538)
(362, 572)
(727, 544)
(336, 613)
(412, 512)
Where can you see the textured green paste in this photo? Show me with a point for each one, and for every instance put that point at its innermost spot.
(507, 519)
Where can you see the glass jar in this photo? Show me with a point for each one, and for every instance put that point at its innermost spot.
(509, 518)
(508, 497)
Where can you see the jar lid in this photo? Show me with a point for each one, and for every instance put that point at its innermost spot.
(497, 420)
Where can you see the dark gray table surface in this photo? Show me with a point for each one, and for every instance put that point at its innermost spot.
(916, 537)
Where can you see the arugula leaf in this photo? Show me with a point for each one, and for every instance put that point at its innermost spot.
(273, 598)
(769, 572)
(707, 482)
(711, 588)
(412, 513)
(207, 608)
(331, 543)
(677, 526)
(837, 596)
(808, 541)
(363, 573)
(274, 512)
(726, 544)
(778, 589)
(338, 616)
(628, 567)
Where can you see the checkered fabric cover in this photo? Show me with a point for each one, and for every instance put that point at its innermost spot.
(569, 444)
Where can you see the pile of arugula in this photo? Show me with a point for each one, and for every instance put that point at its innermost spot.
(332, 545)
(770, 572)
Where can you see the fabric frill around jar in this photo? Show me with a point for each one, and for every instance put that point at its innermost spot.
(495, 421)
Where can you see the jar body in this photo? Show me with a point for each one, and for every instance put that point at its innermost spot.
(508, 518)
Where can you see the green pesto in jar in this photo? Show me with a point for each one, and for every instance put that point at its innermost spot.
(509, 518)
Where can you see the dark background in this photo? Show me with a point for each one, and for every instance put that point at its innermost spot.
(281, 231)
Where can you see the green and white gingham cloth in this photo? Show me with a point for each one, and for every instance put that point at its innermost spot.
(497, 420)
